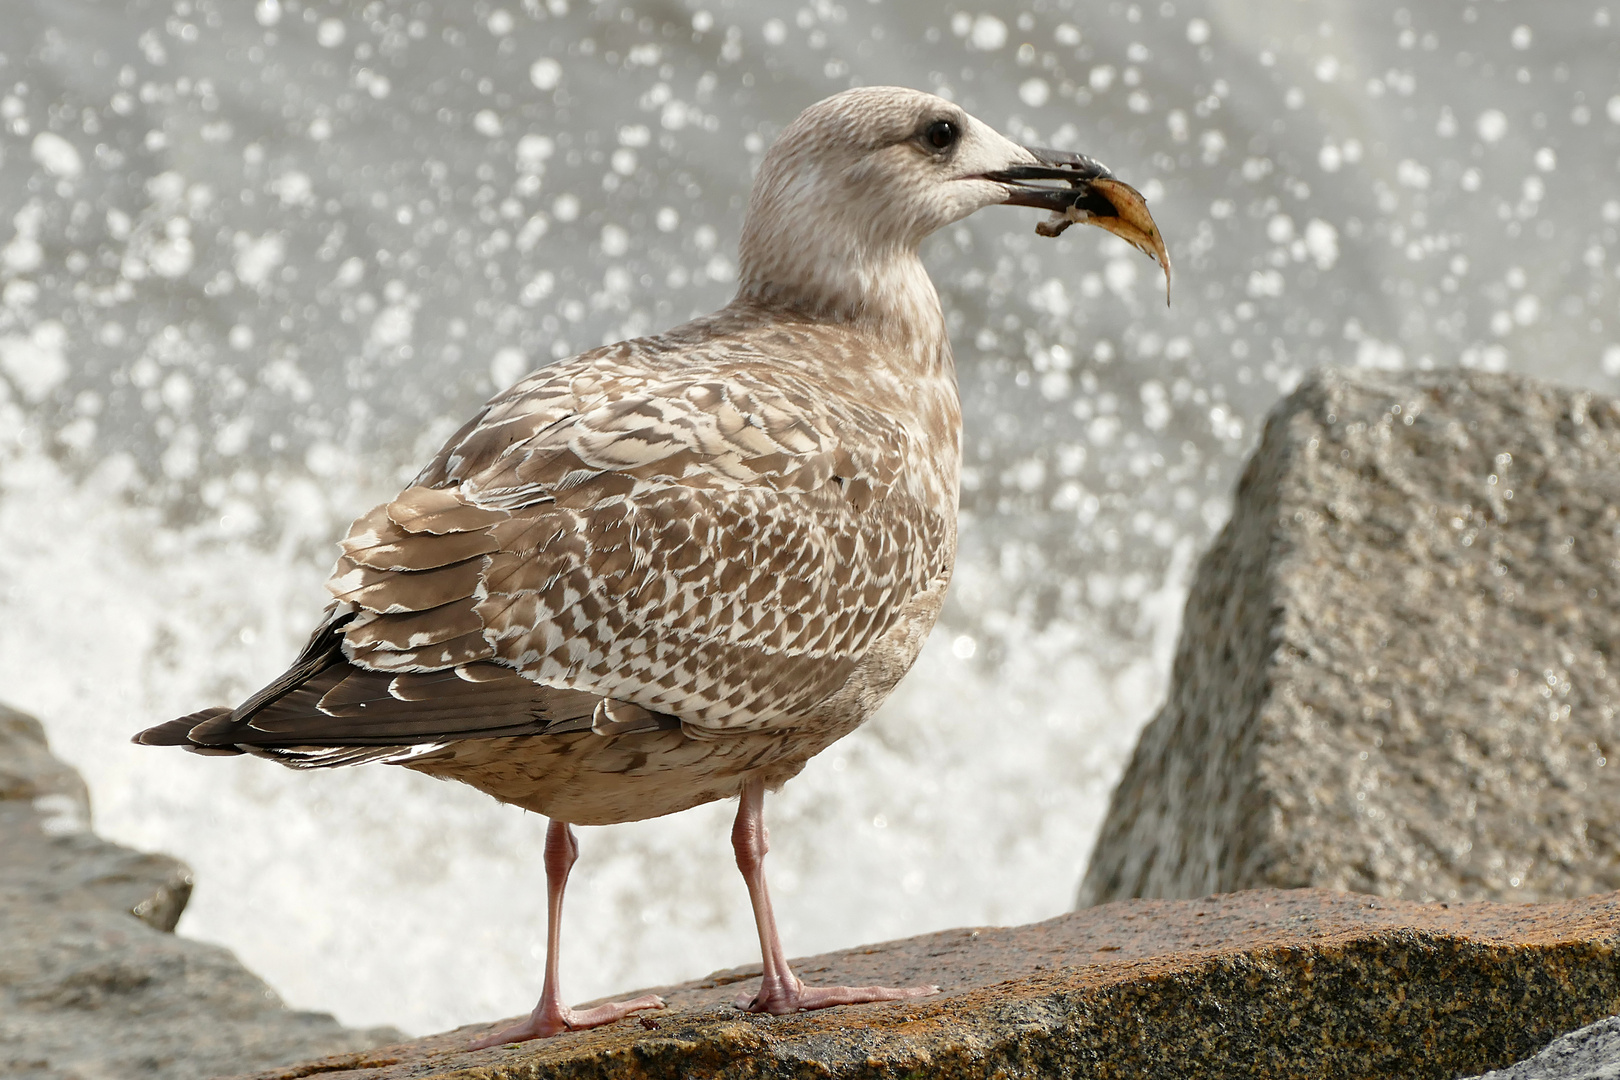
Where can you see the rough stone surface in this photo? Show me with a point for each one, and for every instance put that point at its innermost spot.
(93, 986)
(51, 857)
(1393, 674)
(1305, 983)
(1591, 1053)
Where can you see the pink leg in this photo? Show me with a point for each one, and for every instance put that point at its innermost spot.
(780, 991)
(551, 1016)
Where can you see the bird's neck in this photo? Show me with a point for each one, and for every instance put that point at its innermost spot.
(882, 290)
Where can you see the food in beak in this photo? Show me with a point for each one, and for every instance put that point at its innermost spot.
(1093, 197)
(1130, 221)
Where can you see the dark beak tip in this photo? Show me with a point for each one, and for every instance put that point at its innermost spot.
(1028, 184)
(1065, 165)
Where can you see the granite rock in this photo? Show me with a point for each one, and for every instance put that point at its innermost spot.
(1302, 983)
(1393, 674)
(93, 983)
(1589, 1053)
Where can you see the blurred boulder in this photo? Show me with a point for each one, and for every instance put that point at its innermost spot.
(93, 983)
(1393, 674)
(48, 850)
(1589, 1053)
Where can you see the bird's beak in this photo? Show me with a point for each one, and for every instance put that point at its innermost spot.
(1080, 190)
(1072, 173)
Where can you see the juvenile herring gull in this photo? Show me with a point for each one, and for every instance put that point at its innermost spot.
(672, 570)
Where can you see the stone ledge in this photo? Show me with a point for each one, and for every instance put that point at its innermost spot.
(1298, 983)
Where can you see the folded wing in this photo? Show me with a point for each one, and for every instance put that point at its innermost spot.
(710, 545)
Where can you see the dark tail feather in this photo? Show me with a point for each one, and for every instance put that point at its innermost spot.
(325, 648)
(178, 732)
(208, 731)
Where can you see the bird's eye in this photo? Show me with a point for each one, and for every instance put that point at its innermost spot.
(942, 134)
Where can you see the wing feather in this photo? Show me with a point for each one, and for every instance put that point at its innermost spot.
(391, 592)
(412, 630)
(458, 650)
(432, 510)
(425, 551)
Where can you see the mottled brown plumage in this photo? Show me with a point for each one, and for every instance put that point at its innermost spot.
(738, 532)
(673, 569)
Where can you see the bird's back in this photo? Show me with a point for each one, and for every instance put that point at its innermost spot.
(639, 574)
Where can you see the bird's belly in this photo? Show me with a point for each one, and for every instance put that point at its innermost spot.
(588, 779)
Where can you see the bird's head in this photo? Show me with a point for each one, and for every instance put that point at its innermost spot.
(857, 181)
